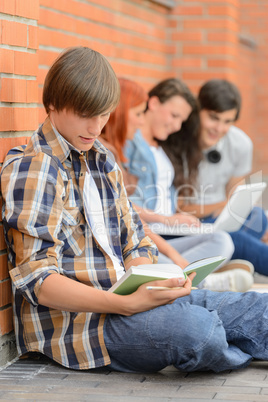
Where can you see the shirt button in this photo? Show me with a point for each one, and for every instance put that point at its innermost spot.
(144, 168)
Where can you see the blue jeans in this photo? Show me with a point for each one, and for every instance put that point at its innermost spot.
(203, 331)
(247, 240)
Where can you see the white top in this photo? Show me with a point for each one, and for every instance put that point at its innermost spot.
(165, 176)
(236, 160)
(95, 218)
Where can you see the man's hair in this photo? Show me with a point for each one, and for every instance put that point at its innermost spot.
(81, 80)
(132, 95)
(220, 96)
(170, 87)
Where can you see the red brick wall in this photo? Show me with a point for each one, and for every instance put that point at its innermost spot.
(18, 107)
(206, 38)
(253, 79)
(133, 35)
(145, 41)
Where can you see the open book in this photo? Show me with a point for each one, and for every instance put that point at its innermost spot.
(231, 218)
(136, 276)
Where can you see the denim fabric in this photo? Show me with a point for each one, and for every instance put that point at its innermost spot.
(248, 245)
(141, 163)
(203, 331)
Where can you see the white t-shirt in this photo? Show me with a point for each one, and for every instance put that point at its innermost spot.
(95, 218)
(236, 160)
(165, 176)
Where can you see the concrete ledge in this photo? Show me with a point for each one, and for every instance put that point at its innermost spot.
(8, 350)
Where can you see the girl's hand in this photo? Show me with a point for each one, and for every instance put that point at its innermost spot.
(178, 259)
(179, 219)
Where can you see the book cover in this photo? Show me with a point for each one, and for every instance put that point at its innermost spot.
(136, 276)
(203, 268)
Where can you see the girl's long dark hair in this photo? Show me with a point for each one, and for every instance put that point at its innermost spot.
(184, 144)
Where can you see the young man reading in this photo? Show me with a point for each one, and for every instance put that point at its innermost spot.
(71, 233)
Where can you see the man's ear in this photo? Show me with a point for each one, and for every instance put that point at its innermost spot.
(51, 107)
(153, 103)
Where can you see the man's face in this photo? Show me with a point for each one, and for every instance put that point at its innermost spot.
(80, 131)
(168, 117)
(214, 126)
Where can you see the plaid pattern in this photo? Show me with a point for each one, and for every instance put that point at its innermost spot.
(47, 233)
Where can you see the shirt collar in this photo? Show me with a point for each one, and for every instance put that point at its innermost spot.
(61, 147)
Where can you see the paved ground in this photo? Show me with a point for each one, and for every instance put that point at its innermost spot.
(42, 380)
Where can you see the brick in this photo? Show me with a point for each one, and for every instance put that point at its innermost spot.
(228, 11)
(222, 37)
(203, 76)
(25, 63)
(187, 36)
(3, 267)
(140, 56)
(7, 61)
(41, 115)
(6, 118)
(13, 90)
(41, 77)
(187, 62)
(137, 71)
(211, 24)
(40, 95)
(208, 50)
(188, 10)
(172, 24)
(60, 40)
(207, 2)
(25, 119)
(222, 63)
(7, 7)
(6, 145)
(6, 321)
(52, 20)
(5, 293)
(14, 33)
(28, 9)
(33, 38)
(31, 91)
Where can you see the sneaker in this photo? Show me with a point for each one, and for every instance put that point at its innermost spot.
(235, 280)
(237, 264)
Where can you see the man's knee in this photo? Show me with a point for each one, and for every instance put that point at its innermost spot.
(199, 339)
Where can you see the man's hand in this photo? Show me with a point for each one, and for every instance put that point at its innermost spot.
(145, 299)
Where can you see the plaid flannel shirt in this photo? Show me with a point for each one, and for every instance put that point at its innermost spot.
(47, 233)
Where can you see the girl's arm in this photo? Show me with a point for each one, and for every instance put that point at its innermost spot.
(202, 210)
(176, 219)
(165, 248)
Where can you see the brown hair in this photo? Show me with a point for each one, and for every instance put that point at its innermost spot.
(220, 95)
(183, 147)
(81, 80)
(184, 143)
(115, 131)
(170, 87)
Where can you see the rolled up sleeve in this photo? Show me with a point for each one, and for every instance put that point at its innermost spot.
(32, 190)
